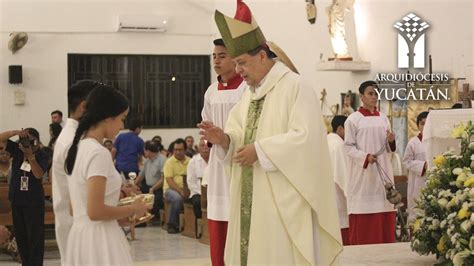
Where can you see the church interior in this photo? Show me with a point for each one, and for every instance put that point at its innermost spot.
(160, 55)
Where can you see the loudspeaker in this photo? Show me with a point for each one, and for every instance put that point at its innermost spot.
(15, 74)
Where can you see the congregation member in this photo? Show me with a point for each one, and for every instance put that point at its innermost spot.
(57, 117)
(54, 131)
(26, 194)
(128, 149)
(195, 172)
(5, 165)
(190, 151)
(152, 174)
(174, 187)
(158, 140)
(109, 144)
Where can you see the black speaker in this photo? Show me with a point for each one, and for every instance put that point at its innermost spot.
(15, 74)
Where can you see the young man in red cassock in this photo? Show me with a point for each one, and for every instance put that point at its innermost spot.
(368, 142)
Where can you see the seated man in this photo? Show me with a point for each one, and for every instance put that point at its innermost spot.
(190, 152)
(174, 187)
(109, 144)
(195, 173)
(153, 175)
(5, 166)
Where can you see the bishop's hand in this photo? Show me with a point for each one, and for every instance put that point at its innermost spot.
(212, 133)
(246, 155)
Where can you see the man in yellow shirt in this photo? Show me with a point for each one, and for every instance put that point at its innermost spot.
(175, 189)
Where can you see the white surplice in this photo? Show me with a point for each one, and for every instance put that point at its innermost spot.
(339, 165)
(414, 160)
(365, 190)
(217, 105)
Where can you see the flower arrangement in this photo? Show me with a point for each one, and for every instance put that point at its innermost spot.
(445, 209)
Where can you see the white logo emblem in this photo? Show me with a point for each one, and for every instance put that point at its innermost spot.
(411, 41)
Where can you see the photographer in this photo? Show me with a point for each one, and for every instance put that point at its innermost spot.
(26, 193)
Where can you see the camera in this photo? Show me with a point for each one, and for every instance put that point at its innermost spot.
(27, 142)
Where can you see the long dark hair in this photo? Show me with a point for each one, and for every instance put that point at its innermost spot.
(103, 102)
(55, 131)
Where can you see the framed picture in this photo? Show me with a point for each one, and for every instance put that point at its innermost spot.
(348, 103)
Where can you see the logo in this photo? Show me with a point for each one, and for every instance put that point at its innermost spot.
(411, 41)
(412, 85)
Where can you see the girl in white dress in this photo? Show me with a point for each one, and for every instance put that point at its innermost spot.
(95, 237)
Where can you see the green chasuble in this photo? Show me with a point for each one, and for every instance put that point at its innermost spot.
(255, 109)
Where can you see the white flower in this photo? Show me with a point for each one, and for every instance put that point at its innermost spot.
(435, 225)
(457, 171)
(442, 202)
(458, 259)
(461, 177)
(466, 226)
(462, 197)
(443, 223)
(419, 212)
(451, 215)
(472, 218)
(472, 156)
(471, 146)
(454, 239)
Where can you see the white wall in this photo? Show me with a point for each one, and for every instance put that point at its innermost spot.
(449, 40)
(89, 27)
(56, 28)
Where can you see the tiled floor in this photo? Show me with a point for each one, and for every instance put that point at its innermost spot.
(153, 246)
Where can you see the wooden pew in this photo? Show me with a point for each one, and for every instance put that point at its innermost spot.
(5, 207)
(190, 229)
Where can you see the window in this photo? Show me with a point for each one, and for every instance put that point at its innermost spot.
(166, 91)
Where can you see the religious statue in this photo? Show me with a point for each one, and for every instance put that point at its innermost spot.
(347, 106)
(336, 13)
(311, 11)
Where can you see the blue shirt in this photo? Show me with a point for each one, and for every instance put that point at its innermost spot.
(153, 169)
(129, 146)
